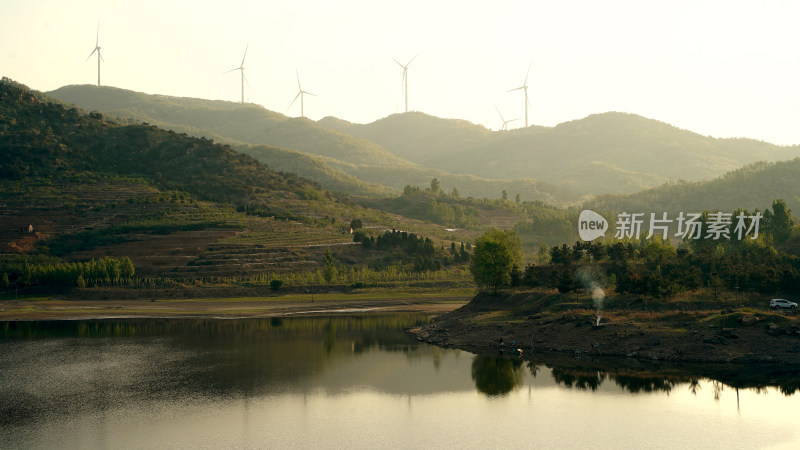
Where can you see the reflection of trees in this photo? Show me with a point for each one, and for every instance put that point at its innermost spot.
(534, 368)
(578, 378)
(717, 387)
(496, 376)
(637, 384)
(790, 387)
(694, 385)
(330, 337)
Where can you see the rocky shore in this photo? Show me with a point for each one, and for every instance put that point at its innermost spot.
(493, 324)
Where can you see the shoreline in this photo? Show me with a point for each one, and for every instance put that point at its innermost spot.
(733, 336)
(54, 308)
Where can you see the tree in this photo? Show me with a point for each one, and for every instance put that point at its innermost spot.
(517, 200)
(543, 256)
(5, 282)
(505, 194)
(435, 185)
(780, 221)
(275, 284)
(356, 224)
(496, 254)
(126, 269)
(455, 193)
(329, 272)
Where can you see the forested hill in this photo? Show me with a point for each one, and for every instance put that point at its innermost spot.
(41, 137)
(338, 161)
(754, 186)
(248, 123)
(602, 153)
(416, 136)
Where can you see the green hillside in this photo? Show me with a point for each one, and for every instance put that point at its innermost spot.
(431, 138)
(248, 123)
(336, 160)
(42, 139)
(602, 153)
(315, 168)
(752, 187)
(84, 196)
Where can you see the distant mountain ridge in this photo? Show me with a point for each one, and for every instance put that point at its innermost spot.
(602, 153)
(335, 159)
(249, 123)
(751, 187)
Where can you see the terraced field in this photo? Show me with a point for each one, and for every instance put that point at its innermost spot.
(62, 208)
(243, 247)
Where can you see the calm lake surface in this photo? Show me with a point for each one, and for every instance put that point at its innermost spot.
(359, 382)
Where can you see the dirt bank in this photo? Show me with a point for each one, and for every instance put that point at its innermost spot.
(731, 335)
(276, 306)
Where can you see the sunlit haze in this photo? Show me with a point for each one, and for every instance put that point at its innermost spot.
(719, 68)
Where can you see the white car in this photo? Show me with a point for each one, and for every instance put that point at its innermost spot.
(781, 303)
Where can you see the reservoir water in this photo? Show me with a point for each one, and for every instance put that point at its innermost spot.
(360, 382)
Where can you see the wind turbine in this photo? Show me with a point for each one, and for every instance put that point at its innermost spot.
(505, 122)
(241, 68)
(300, 94)
(524, 87)
(97, 49)
(405, 77)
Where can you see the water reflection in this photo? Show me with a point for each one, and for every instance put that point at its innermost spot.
(100, 363)
(278, 381)
(496, 376)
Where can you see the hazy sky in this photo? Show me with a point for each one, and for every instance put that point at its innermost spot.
(720, 68)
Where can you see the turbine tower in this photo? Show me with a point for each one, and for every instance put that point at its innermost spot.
(300, 94)
(241, 68)
(505, 122)
(524, 88)
(97, 49)
(405, 77)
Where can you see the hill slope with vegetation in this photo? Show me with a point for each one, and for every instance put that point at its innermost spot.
(247, 123)
(186, 211)
(752, 187)
(602, 153)
(321, 153)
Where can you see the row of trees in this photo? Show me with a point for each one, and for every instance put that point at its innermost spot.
(646, 267)
(81, 274)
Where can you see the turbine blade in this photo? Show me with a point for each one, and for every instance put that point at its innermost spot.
(100, 56)
(245, 55)
(516, 89)
(296, 72)
(412, 59)
(295, 99)
(245, 78)
(526, 74)
(97, 40)
(501, 116)
(228, 71)
(398, 63)
(90, 54)
(309, 93)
